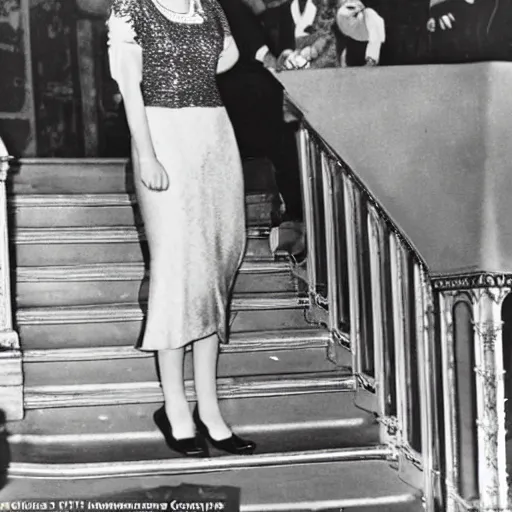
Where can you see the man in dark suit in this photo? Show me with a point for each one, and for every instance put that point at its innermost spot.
(254, 102)
(470, 30)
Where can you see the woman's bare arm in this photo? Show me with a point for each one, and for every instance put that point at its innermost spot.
(128, 78)
(229, 55)
(128, 81)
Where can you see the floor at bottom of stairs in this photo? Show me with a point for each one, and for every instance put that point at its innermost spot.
(356, 485)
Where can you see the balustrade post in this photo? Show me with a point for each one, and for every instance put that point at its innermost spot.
(489, 375)
(11, 376)
(446, 301)
(484, 295)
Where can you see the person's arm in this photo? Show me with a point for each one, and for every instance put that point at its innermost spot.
(125, 58)
(445, 13)
(229, 55)
(246, 29)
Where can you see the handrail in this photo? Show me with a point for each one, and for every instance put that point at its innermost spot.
(426, 348)
(11, 378)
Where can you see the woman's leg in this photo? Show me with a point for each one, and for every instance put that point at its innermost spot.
(176, 406)
(206, 353)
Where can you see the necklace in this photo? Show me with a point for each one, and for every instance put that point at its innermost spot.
(194, 14)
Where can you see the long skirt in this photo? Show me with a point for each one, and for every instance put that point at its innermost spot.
(195, 229)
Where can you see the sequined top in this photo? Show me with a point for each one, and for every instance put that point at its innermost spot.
(179, 54)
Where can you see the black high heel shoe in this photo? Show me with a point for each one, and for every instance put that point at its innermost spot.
(233, 444)
(190, 446)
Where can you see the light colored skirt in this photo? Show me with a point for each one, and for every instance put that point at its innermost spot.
(195, 229)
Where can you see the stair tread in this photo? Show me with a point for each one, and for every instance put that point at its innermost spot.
(259, 414)
(264, 360)
(136, 447)
(314, 486)
(120, 332)
(239, 342)
(93, 234)
(123, 271)
(78, 244)
(133, 312)
(85, 161)
(176, 465)
(300, 381)
(275, 423)
(107, 209)
(49, 396)
(99, 199)
(99, 175)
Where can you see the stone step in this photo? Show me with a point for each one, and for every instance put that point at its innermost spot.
(63, 176)
(299, 411)
(153, 452)
(126, 282)
(122, 332)
(106, 244)
(351, 480)
(269, 353)
(121, 324)
(59, 210)
(102, 434)
(70, 176)
(89, 395)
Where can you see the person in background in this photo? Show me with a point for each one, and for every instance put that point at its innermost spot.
(470, 30)
(254, 102)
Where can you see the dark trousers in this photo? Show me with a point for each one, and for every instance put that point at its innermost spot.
(254, 102)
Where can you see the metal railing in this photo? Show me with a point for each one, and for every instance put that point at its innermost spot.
(411, 343)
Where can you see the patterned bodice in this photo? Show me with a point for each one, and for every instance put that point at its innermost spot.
(179, 58)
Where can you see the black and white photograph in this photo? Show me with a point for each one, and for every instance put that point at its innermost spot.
(256, 255)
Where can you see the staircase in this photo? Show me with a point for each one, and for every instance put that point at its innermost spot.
(81, 285)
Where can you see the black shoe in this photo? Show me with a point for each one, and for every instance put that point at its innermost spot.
(233, 444)
(190, 446)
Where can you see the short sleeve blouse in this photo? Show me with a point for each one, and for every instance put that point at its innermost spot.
(176, 61)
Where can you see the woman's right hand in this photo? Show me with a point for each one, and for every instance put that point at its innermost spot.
(153, 174)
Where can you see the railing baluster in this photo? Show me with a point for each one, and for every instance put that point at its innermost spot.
(423, 304)
(388, 321)
(321, 284)
(367, 300)
(412, 352)
(375, 235)
(446, 302)
(398, 329)
(332, 280)
(353, 274)
(341, 250)
(307, 181)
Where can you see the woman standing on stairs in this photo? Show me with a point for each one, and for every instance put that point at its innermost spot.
(164, 55)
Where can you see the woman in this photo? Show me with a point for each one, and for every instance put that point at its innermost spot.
(164, 55)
